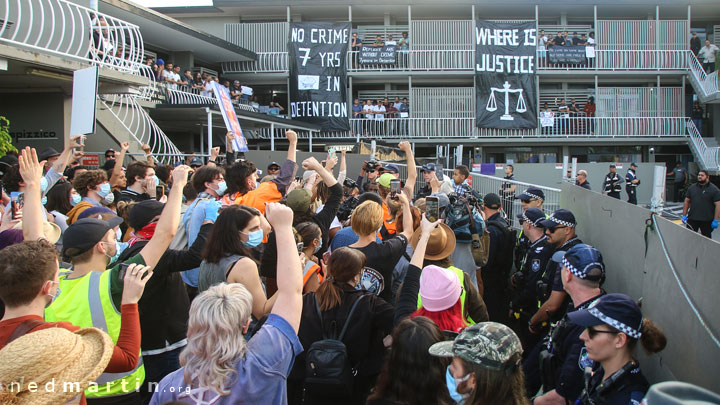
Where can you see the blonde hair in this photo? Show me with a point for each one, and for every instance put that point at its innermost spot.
(215, 336)
(367, 218)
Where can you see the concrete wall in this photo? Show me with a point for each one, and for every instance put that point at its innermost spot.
(617, 229)
(40, 116)
(212, 25)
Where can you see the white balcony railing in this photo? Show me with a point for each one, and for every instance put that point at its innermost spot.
(266, 62)
(69, 30)
(709, 156)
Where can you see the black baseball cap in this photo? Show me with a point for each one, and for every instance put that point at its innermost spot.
(110, 151)
(492, 201)
(47, 154)
(633, 164)
(532, 192)
(532, 215)
(559, 217)
(196, 162)
(390, 167)
(616, 310)
(143, 213)
(612, 165)
(273, 164)
(85, 233)
(430, 167)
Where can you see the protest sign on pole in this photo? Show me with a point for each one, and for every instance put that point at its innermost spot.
(229, 116)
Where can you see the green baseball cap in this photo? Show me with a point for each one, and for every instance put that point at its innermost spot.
(487, 344)
(384, 180)
(298, 200)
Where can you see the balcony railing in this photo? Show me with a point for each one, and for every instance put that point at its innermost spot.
(266, 62)
(709, 156)
(624, 60)
(69, 30)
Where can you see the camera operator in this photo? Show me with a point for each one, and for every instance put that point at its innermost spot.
(368, 174)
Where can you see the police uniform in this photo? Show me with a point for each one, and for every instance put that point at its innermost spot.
(523, 243)
(611, 185)
(558, 362)
(630, 188)
(626, 386)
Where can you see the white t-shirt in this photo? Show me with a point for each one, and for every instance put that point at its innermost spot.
(368, 109)
(380, 109)
(208, 90)
(387, 43)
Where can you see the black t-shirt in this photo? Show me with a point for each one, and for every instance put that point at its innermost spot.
(382, 257)
(702, 201)
(537, 258)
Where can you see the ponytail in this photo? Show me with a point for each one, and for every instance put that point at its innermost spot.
(653, 339)
(328, 294)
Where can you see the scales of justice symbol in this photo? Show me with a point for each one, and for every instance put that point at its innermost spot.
(521, 107)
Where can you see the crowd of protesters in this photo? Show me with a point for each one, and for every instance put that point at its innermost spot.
(206, 283)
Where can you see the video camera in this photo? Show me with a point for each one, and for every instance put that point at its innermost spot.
(349, 183)
(371, 166)
(346, 208)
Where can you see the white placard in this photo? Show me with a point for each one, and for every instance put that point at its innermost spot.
(82, 118)
(308, 82)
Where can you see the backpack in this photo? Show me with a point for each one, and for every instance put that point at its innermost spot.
(327, 366)
(509, 237)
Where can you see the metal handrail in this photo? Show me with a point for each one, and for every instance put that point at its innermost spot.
(69, 30)
(709, 156)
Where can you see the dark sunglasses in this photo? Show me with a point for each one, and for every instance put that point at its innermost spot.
(273, 169)
(592, 332)
(522, 221)
(526, 201)
(552, 230)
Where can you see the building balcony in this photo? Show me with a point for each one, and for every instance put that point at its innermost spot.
(71, 31)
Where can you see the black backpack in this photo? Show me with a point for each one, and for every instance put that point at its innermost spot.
(328, 371)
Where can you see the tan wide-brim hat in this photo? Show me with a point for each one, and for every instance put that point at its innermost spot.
(51, 231)
(35, 368)
(440, 245)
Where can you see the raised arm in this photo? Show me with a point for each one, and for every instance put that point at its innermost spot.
(411, 168)
(169, 219)
(407, 216)
(312, 164)
(426, 228)
(31, 172)
(117, 169)
(288, 304)
(214, 152)
(64, 158)
(148, 154)
(342, 173)
(292, 147)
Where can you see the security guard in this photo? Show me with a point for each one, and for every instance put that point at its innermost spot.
(557, 363)
(611, 185)
(533, 197)
(524, 299)
(631, 184)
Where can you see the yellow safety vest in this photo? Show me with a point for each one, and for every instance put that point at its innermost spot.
(87, 302)
(461, 276)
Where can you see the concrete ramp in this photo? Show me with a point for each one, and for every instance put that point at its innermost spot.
(679, 282)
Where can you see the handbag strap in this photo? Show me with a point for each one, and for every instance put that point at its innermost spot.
(473, 229)
(24, 328)
(347, 321)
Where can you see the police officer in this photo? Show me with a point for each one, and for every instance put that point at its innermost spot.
(611, 185)
(524, 282)
(533, 197)
(560, 232)
(613, 326)
(631, 184)
(557, 362)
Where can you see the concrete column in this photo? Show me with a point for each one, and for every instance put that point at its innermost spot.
(67, 113)
(185, 59)
(563, 19)
(350, 12)
(715, 119)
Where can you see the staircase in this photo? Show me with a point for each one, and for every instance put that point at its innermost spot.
(705, 150)
(126, 121)
(706, 86)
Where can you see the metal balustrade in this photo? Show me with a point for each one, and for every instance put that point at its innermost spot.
(140, 126)
(266, 62)
(709, 156)
(69, 30)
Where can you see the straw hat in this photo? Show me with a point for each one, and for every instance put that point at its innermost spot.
(51, 231)
(49, 358)
(440, 245)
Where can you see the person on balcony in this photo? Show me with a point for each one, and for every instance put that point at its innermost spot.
(564, 112)
(547, 119)
(697, 116)
(590, 49)
(574, 113)
(707, 55)
(589, 110)
(188, 79)
(379, 43)
(559, 39)
(575, 39)
(695, 44)
(404, 44)
(236, 92)
(356, 46)
(171, 79)
(160, 71)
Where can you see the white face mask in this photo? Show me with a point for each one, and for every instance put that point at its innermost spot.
(109, 199)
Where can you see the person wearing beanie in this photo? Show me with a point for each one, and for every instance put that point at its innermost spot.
(613, 326)
(485, 367)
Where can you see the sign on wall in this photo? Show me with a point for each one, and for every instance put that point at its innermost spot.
(567, 54)
(384, 55)
(317, 52)
(505, 74)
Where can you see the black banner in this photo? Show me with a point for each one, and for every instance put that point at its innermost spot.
(317, 52)
(384, 55)
(567, 54)
(505, 74)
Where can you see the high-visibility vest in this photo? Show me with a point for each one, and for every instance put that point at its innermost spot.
(87, 302)
(461, 277)
(265, 192)
(310, 269)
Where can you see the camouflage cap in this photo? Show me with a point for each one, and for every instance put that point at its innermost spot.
(488, 344)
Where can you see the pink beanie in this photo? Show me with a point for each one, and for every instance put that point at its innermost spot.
(439, 288)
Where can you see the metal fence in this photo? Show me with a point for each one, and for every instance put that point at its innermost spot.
(447, 102)
(259, 37)
(69, 30)
(640, 102)
(633, 35)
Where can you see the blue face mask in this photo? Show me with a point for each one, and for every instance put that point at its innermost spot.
(43, 185)
(452, 384)
(157, 180)
(119, 247)
(222, 187)
(43, 200)
(317, 248)
(75, 200)
(254, 238)
(104, 190)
